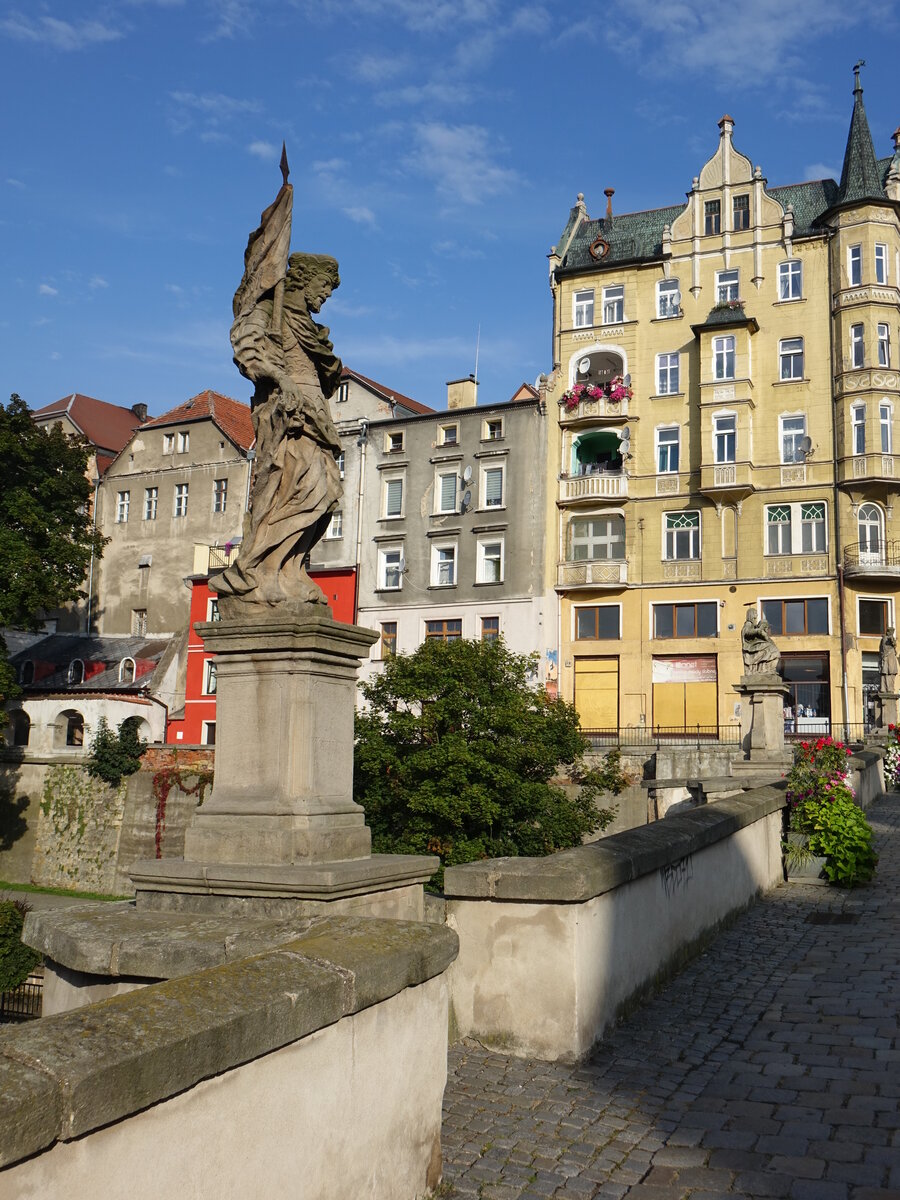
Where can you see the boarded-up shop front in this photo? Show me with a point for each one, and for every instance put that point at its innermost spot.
(597, 692)
(685, 691)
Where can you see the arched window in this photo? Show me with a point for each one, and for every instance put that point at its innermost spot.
(69, 729)
(870, 523)
(126, 670)
(27, 672)
(76, 671)
(597, 452)
(21, 727)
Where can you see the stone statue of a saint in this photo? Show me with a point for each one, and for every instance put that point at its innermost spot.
(296, 485)
(761, 655)
(887, 653)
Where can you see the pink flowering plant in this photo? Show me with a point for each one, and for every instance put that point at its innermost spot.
(824, 815)
(892, 759)
(615, 389)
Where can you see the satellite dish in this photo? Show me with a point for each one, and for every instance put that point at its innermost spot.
(625, 434)
(806, 445)
(467, 474)
(401, 566)
(467, 499)
(584, 366)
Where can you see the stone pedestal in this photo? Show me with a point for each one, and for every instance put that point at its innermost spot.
(762, 721)
(886, 708)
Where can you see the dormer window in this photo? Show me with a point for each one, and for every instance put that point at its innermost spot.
(712, 213)
(126, 670)
(75, 673)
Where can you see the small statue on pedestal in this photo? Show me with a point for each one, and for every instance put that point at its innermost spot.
(761, 655)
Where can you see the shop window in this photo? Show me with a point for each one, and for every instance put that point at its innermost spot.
(807, 707)
(796, 617)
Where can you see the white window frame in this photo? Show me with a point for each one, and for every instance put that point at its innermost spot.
(394, 441)
(220, 495)
(881, 263)
(728, 285)
(485, 468)
(668, 373)
(482, 558)
(182, 494)
(854, 265)
(721, 435)
(792, 537)
(668, 299)
(388, 478)
(791, 358)
(209, 733)
(889, 618)
(664, 448)
(671, 539)
(614, 304)
(724, 360)
(440, 474)
(886, 424)
(493, 429)
(795, 435)
(341, 460)
(210, 677)
(212, 609)
(884, 344)
(444, 562)
(168, 443)
(184, 441)
(123, 504)
(388, 568)
(583, 308)
(335, 528)
(448, 435)
(593, 541)
(857, 346)
(122, 668)
(151, 503)
(790, 280)
(858, 428)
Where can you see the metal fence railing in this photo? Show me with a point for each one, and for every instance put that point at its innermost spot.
(655, 736)
(25, 1002)
(852, 733)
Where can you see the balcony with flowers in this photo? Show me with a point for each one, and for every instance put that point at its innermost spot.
(606, 401)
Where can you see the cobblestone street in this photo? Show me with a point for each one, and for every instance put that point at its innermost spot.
(769, 1068)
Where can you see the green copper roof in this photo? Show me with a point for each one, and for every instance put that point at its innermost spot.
(630, 236)
(860, 178)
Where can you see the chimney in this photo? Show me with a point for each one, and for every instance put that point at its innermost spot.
(609, 193)
(462, 393)
(140, 411)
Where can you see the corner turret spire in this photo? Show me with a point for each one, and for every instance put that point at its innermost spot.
(859, 177)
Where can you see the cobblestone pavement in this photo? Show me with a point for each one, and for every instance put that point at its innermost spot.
(769, 1068)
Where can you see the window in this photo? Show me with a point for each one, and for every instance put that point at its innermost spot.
(74, 728)
(212, 610)
(793, 431)
(390, 568)
(139, 622)
(874, 617)
(28, 672)
(712, 212)
(446, 489)
(220, 495)
(343, 392)
(448, 435)
(668, 298)
(21, 726)
(75, 673)
(168, 443)
(796, 617)
(854, 265)
(613, 305)
(493, 430)
(790, 358)
(857, 346)
(741, 210)
(881, 263)
(341, 459)
(490, 629)
(209, 678)
(444, 631)
(151, 503)
(795, 528)
(723, 357)
(583, 308)
(869, 527)
(886, 421)
(127, 670)
(790, 280)
(123, 501)
(492, 486)
(593, 539)
(728, 286)
(600, 621)
(394, 442)
(181, 499)
(667, 374)
(443, 565)
(336, 528)
(884, 345)
(686, 620)
(184, 441)
(489, 565)
(682, 532)
(724, 438)
(667, 447)
(388, 639)
(209, 733)
(858, 426)
(393, 496)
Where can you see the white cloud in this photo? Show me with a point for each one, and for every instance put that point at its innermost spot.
(174, 289)
(360, 214)
(329, 166)
(821, 171)
(230, 18)
(16, 183)
(267, 151)
(55, 356)
(453, 250)
(460, 162)
(377, 68)
(211, 110)
(56, 34)
(97, 281)
(46, 290)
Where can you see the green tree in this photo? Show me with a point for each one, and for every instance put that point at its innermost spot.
(115, 755)
(16, 959)
(457, 752)
(46, 532)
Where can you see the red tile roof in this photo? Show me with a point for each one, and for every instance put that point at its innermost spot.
(106, 426)
(231, 416)
(386, 392)
(525, 392)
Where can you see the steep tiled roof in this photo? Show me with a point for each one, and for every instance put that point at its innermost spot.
(810, 201)
(231, 416)
(101, 657)
(106, 426)
(860, 179)
(387, 393)
(630, 236)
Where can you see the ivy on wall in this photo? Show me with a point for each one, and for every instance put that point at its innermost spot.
(168, 777)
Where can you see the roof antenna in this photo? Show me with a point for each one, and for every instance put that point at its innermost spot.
(285, 170)
(477, 345)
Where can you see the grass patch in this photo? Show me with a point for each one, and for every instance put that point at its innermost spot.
(5, 886)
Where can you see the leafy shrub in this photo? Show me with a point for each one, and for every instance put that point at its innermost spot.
(16, 959)
(115, 755)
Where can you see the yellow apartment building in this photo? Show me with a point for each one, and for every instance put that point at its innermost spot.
(727, 393)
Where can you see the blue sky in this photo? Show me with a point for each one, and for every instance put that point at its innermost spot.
(435, 150)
